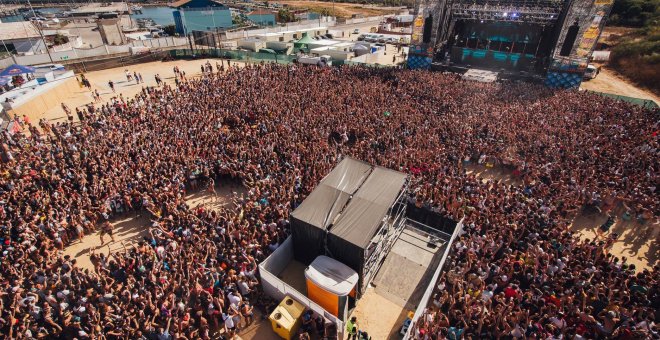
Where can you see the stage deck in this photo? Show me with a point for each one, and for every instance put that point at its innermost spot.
(483, 76)
(407, 268)
(399, 284)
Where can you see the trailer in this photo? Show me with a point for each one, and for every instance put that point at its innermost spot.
(322, 61)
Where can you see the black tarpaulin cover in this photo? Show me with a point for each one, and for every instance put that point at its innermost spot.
(311, 219)
(353, 231)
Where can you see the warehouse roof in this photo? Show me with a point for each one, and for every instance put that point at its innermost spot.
(18, 30)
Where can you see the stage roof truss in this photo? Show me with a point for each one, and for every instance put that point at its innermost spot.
(523, 14)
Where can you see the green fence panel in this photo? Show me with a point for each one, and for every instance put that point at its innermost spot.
(637, 101)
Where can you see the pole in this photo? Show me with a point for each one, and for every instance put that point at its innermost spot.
(5, 45)
(41, 34)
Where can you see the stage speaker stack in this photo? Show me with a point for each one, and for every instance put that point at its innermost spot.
(428, 27)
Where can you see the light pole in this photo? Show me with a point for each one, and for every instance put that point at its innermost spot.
(41, 34)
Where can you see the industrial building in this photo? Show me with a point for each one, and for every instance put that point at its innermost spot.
(200, 15)
(24, 38)
(262, 17)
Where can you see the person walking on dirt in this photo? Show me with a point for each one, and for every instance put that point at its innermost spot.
(106, 228)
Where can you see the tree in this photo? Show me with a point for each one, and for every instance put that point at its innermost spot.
(170, 29)
(285, 15)
(60, 39)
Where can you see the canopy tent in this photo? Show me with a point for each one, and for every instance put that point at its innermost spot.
(350, 237)
(303, 42)
(15, 69)
(311, 219)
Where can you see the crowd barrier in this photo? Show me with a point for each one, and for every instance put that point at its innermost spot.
(252, 57)
(647, 103)
(421, 308)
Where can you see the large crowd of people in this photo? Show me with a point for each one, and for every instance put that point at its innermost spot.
(516, 271)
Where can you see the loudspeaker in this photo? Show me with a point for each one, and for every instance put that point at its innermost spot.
(571, 35)
(428, 27)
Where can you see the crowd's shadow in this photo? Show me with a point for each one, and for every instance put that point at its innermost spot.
(637, 241)
(499, 174)
(128, 230)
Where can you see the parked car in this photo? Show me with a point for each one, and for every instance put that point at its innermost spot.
(356, 31)
(591, 72)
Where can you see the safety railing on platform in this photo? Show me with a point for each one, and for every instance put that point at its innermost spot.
(278, 289)
(431, 287)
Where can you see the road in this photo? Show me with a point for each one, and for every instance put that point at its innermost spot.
(609, 82)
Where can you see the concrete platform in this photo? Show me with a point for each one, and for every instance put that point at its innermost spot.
(408, 268)
(294, 276)
(399, 284)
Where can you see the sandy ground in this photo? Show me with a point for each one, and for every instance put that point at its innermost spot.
(638, 242)
(378, 316)
(99, 80)
(609, 81)
(497, 174)
(131, 228)
(342, 10)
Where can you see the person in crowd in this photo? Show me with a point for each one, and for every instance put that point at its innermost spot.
(515, 271)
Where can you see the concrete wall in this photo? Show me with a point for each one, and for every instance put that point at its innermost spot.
(98, 52)
(43, 98)
(262, 19)
(111, 32)
(252, 45)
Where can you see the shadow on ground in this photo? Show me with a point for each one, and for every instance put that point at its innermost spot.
(638, 242)
(500, 174)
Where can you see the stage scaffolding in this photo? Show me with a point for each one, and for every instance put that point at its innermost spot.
(393, 224)
(445, 13)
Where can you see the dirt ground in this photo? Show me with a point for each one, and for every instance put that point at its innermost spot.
(498, 174)
(378, 316)
(99, 81)
(131, 228)
(342, 10)
(609, 81)
(638, 242)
